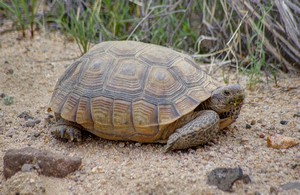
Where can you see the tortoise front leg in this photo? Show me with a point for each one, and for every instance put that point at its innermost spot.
(197, 132)
(64, 129)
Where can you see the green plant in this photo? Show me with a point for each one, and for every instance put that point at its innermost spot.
(257, 55)
(22, 13)
(8, 100)
(82, 25)
(161, 23)
(217, 31)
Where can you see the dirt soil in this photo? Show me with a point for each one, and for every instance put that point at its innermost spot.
(29, 70)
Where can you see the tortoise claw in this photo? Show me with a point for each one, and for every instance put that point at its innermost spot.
(167, 148)
(61, 132)
(67, 132)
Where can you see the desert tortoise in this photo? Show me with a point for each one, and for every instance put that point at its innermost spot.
(127, 90)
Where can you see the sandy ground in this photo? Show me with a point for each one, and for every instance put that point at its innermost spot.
(28, 72)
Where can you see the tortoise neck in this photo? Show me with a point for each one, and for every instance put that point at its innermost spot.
(206, 105)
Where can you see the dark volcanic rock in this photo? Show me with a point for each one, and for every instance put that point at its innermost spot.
(284, 122)
(49, 164)
(224, 178)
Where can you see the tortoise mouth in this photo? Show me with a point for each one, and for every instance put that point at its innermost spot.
(234, 110)
(225, 115)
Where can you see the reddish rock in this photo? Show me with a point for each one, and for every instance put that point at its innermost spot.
(281, 142)
(47, 163)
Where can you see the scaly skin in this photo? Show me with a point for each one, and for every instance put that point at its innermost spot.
(224, 107)
(197, 132)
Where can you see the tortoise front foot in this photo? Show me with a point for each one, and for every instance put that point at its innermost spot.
(66, 130)
(197, 132)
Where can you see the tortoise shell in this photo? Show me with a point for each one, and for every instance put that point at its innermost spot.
(127, 90)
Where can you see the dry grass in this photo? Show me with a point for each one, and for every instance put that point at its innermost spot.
(253, 36)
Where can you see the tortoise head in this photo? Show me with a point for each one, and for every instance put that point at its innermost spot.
(227, 102)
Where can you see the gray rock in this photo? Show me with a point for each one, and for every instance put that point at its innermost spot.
(224, 178)
(25, 115)
(290, 186)
(49, 164)
(28, 168)
(32, 122)
(1, 130)
(10, 133)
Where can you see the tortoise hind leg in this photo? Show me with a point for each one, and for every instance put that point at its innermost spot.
(64, 129)
(197, 132)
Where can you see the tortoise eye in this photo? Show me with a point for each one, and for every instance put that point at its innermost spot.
(226, 93)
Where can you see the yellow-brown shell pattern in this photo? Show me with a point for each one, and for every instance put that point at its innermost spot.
(126, 90)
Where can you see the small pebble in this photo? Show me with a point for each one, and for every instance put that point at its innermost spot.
(121, 144)
(244, 141)
(97, 169)
(259, 120)
(296, 114)
(138, 144)
(2, 95)
(10, 71)
(284, 122)
(253, 122)
(50, 116)
(10, 133)
(246, 179)
(261, 135)
(27, 167)
(25, 115)
(273, 190)
(36, 134)
(30, 123)
(248, 126)
(294, 166)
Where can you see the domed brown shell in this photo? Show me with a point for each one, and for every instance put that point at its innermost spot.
(126, 90)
